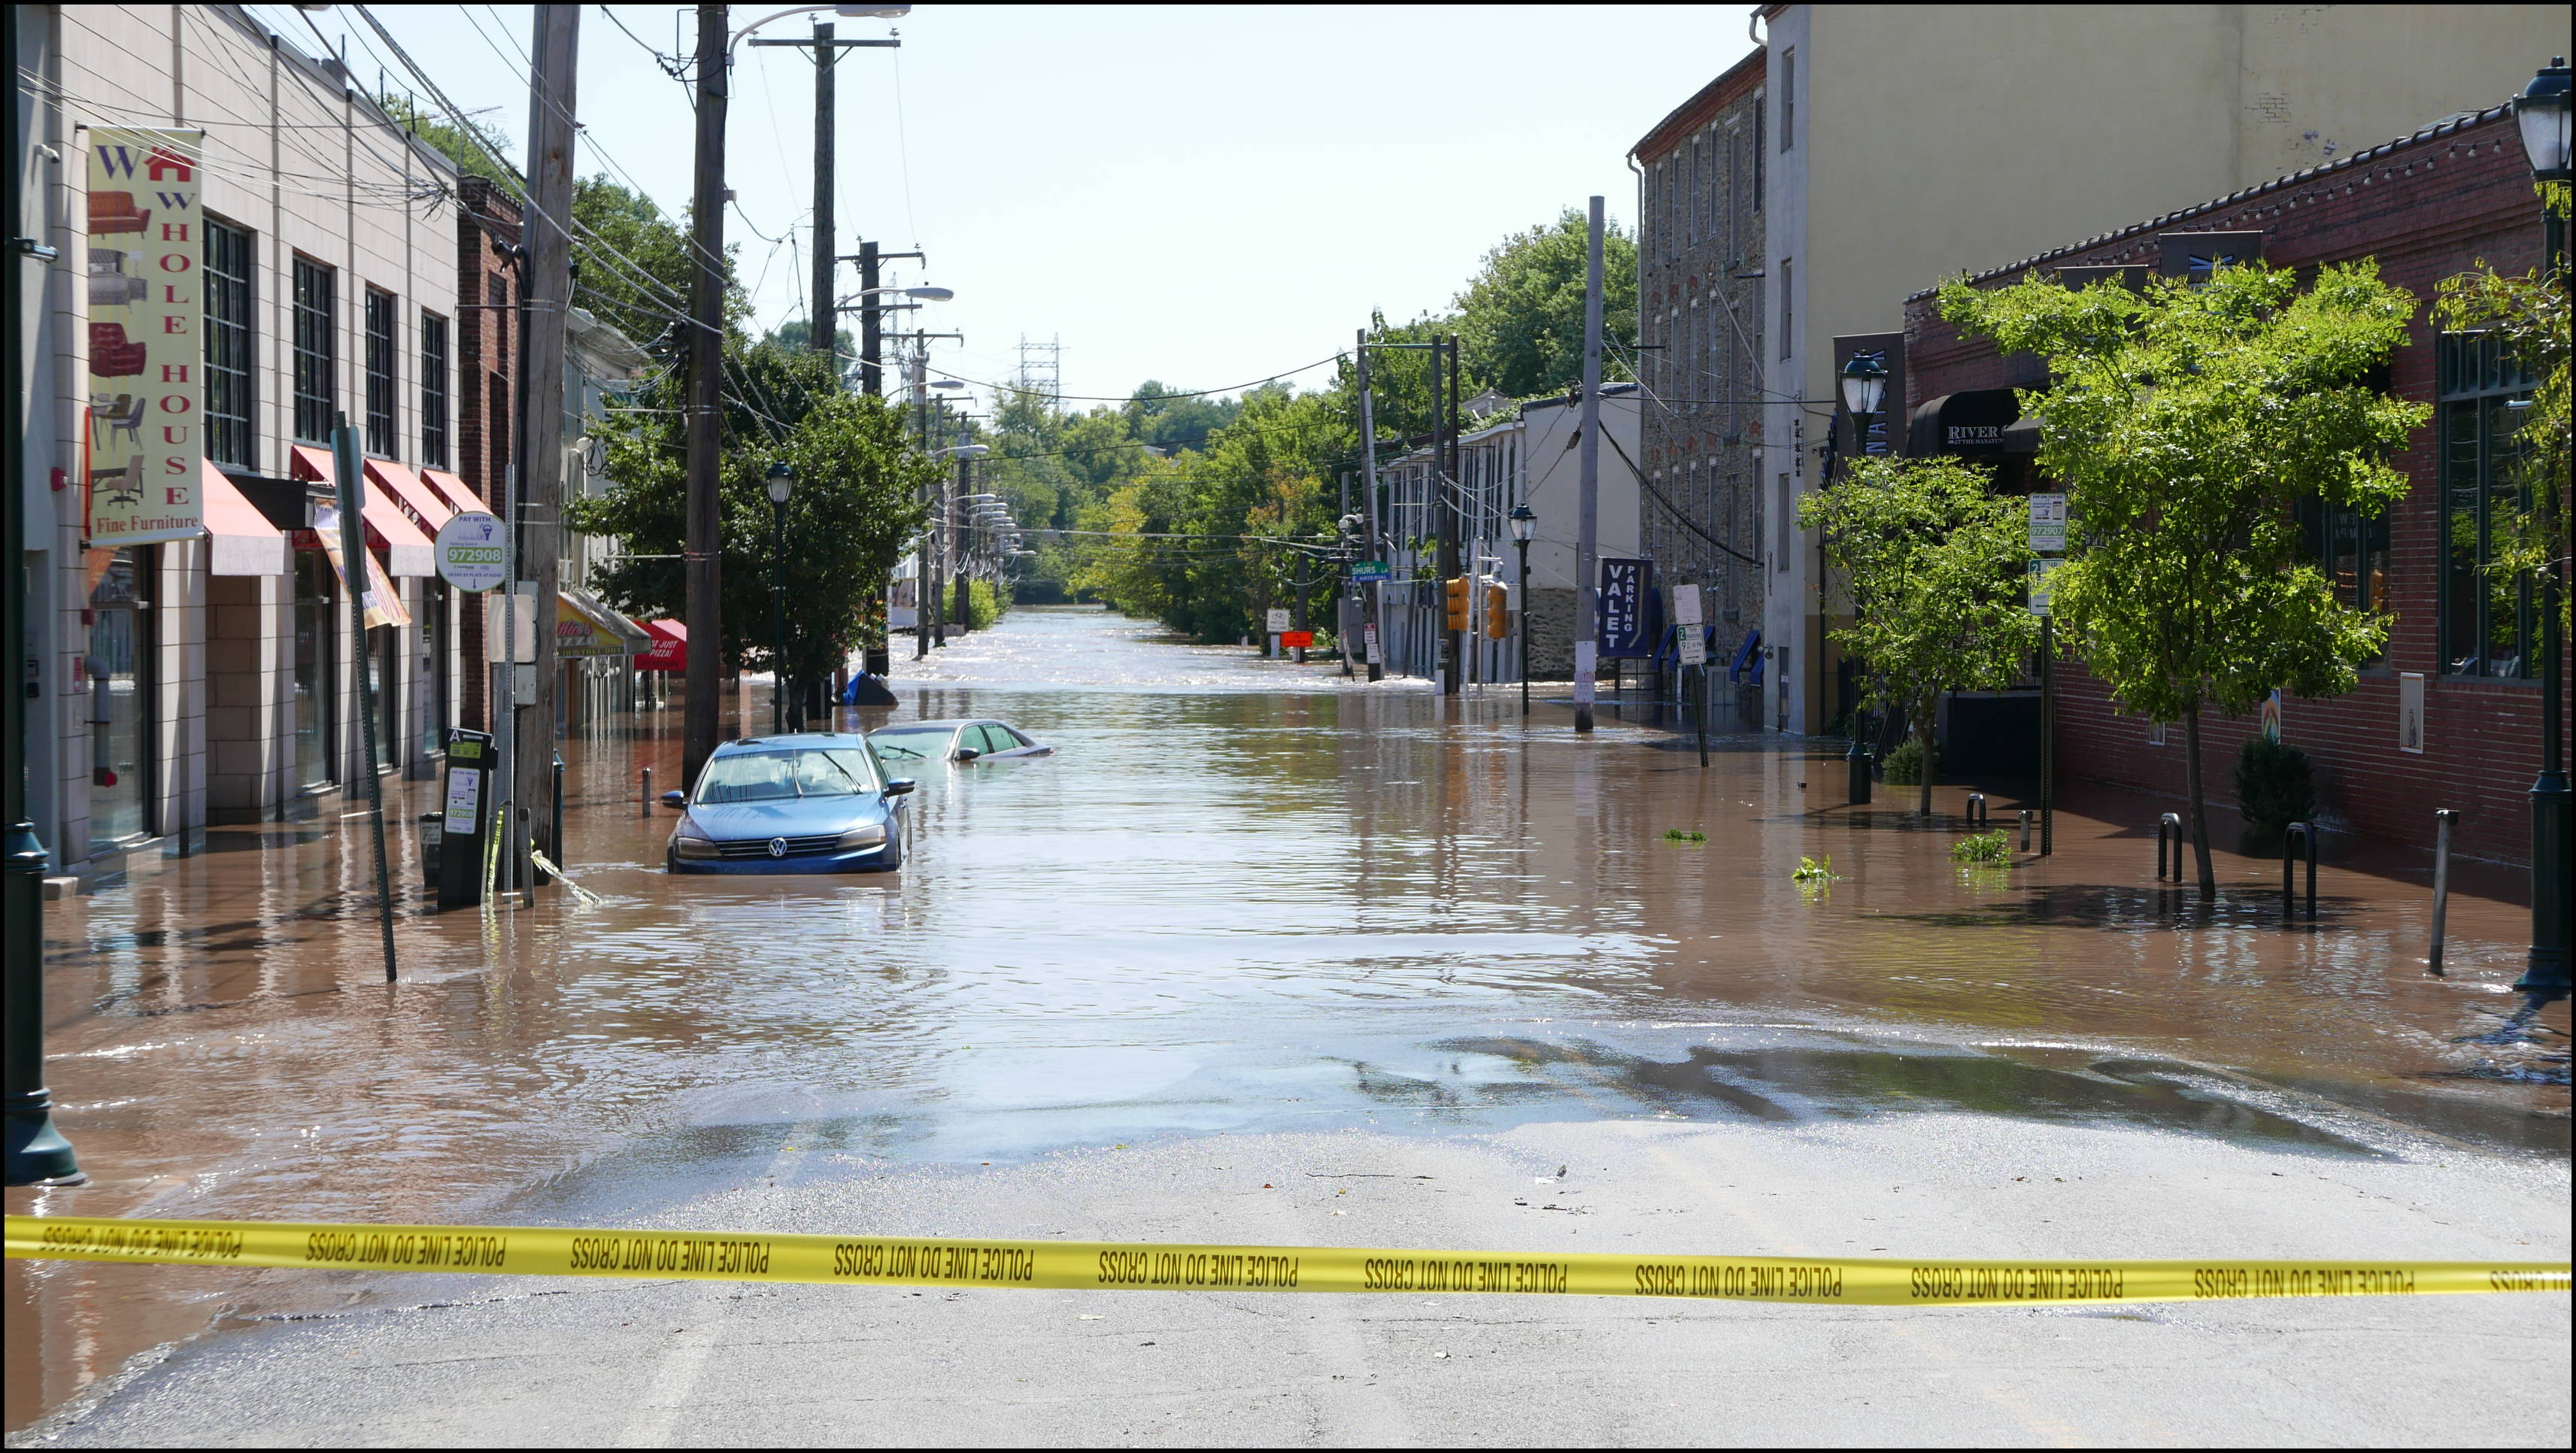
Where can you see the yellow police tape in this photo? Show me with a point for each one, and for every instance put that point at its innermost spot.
(1149, 1266)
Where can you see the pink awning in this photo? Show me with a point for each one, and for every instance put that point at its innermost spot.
(459, 495)
(407, 550)
(670, 649)
(418, 502)
(241, 540)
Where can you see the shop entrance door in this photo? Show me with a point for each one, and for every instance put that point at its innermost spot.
(117, 671)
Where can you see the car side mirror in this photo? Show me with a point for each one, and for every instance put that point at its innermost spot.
(898, 787)
(675, 799)
(967, 754)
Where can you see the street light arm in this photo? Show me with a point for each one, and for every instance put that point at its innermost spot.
(881, 12)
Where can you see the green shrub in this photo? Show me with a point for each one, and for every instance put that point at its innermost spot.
(1905, 764)
(1984, 847)
(985, 604)
(1677, 835)
(2275, 786)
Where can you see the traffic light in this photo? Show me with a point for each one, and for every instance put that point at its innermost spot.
(1498, 613)
(1456, 591)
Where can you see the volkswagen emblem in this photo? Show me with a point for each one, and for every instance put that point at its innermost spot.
(778, 847)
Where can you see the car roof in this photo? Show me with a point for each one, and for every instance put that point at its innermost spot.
(950, 723)
(791, 739)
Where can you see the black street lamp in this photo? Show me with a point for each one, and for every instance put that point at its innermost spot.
(1524, 524)
(781, 482)
(2542, 112)
(1864, 381)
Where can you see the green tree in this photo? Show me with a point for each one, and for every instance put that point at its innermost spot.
(853, 513)
(2186, 423)
(1520, 321)
(1935, 564)
(2529, 313)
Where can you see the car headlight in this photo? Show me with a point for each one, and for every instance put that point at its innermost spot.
(870, 836)
(685, 846)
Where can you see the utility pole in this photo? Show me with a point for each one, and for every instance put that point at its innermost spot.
(826, 312)
(957, 544)
(37, 1153)
(1368, 486)
(706, 356)
(1587, 538)
(1444, 501)
(880, 657)
(541, 482)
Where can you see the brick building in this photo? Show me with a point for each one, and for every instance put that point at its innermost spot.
(486, 370)
(1700, 275)
(2450, 719)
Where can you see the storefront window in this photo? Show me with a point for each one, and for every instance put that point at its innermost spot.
(2487, 619)
(315, 590)
(117, 672)
(384, 664)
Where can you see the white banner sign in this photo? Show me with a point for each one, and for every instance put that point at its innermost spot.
(146, 441)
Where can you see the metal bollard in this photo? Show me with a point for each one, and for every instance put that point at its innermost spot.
(644, 805)
(2169, 830)
(2442, 822)
(1977, 817)
(2025, 829)
(556, 829)
(2303, 835)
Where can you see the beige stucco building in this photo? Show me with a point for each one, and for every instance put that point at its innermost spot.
(1912, 142)
(212, 679)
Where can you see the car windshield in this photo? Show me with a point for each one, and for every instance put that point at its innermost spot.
(803, 772)
(911, 744)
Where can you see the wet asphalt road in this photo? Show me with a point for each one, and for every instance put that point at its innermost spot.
(1251, 917)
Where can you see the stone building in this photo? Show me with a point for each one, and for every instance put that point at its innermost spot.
(1699, 313)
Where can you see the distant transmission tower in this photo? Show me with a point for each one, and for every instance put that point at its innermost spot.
(1041, 368)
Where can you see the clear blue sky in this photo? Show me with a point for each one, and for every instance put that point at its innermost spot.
(1204, 195)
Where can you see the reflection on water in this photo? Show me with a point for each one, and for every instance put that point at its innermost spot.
(1241, 894)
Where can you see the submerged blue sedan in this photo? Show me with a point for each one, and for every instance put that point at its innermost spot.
(808, 802)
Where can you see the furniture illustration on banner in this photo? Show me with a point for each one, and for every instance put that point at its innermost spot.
(109, 287)
(110, 356)
(115, 212)
(122, 485)
(117, 414)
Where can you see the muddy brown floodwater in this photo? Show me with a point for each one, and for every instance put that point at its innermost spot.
(1241, 895)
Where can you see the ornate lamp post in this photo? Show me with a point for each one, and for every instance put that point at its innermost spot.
(2542, 111)
(1864, 381)
(1524, 524)
(780, 483)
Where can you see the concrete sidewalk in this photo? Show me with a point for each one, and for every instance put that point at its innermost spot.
(454, 1361)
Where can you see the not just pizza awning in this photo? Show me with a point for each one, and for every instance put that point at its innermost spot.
(670, 650)
(407, 550)
(587, 628)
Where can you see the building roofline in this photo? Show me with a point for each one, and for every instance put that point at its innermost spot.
(2447, 127)
(1703, 103)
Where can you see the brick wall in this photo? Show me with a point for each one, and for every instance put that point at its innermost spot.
(2427, 207)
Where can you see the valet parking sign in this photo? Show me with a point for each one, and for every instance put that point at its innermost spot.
(146, 441)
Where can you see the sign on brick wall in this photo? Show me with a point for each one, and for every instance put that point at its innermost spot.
(145, 438)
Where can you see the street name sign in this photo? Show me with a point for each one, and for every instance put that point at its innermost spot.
(1369, 571)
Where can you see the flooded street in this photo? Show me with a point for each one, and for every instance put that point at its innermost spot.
(1242, 898)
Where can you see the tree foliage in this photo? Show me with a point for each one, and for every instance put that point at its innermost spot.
(852, 514)
(2186, 423)
(1935, 564)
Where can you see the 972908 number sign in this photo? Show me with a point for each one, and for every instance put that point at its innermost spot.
(471, 553)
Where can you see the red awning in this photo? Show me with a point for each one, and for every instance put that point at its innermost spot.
(670, 649)
(459, 495)
(419, 503)
(241, 541)
(407, 550)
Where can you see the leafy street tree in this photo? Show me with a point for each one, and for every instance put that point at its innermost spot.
(1520, 321)
(1935, 564)
(853, 512)
(2530, 315)
(2186, 422)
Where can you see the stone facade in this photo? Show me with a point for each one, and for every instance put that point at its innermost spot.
(1700, 276)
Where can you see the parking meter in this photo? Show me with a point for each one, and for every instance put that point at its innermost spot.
(467, 798)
